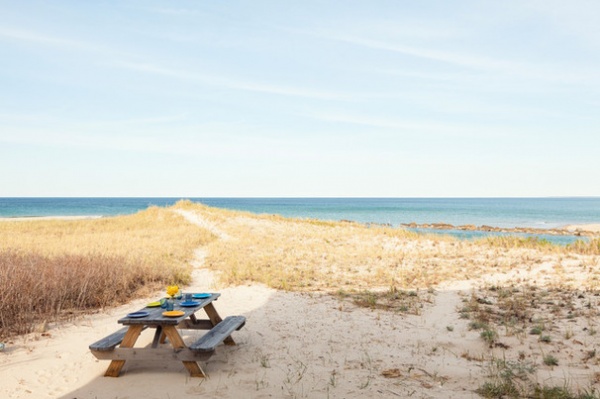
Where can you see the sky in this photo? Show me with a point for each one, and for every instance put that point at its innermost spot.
(300, 99)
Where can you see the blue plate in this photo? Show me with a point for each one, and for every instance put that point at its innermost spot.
(136, 315)
(189, 304)
(201, 296)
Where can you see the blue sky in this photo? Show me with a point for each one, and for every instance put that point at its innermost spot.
(310, 98)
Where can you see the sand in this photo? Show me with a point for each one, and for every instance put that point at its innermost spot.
(293, 346)
(301, 345)
(594, 228)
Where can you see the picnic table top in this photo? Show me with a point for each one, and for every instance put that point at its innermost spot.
(155, 314)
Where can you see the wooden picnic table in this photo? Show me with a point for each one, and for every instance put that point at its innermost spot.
(119, 346)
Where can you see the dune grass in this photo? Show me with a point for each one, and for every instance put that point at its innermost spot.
(311, 255)
(55, 268)
(591, 247)
(307, 254)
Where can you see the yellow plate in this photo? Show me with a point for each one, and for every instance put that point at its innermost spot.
(153, 304)
(173, 313)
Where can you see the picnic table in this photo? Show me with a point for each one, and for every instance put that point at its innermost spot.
(119, 346)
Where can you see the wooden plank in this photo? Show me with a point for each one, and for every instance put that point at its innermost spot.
(132, 334)
(212, 313)
(157, 335)
(195, 325)
(152, 354)
(177, 343)
(214, 317)
(110, 342)
(209, 341)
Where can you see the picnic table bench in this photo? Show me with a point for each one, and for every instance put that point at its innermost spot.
(119, 346)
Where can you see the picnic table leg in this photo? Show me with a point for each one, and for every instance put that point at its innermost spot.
(129, 339)
(177, 342)
(163, 337)
(215, 319)
(157, 335)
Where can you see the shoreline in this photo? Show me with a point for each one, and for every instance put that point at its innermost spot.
(591, 229)
(57, 217)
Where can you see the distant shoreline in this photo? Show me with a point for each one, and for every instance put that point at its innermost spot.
(542, 213)
(590, 229)
(587, 229)
(27, 218)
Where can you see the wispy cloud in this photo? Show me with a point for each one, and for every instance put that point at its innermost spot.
(91, 140)
(29, 36)
(121, 60)
(142, 122)
(507, 67)
(170, 11)
(211, 144)
(416, 127)
(453, 58)
(38, 38)
(236, 84)
(94, 51)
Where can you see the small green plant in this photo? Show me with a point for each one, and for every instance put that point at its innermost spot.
(509, 379)
(536, 330)
(498, 389)
(545, 392)
(477, 325)
(545, 338)
(550, 360)
(450, 328)
(333, 378)
(489, 336)
(264, 362)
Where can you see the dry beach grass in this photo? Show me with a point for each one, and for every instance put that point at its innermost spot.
(57, 268)
(454, 318)
(305, 254)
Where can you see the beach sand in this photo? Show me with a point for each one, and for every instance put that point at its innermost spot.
(293, 345)
(594, 228)
(313, 345)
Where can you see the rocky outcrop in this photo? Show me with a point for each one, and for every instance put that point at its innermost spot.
(471, 227)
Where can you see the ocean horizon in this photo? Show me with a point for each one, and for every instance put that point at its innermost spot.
(539, 213)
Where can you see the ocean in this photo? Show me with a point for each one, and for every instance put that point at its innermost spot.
(498, 212)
